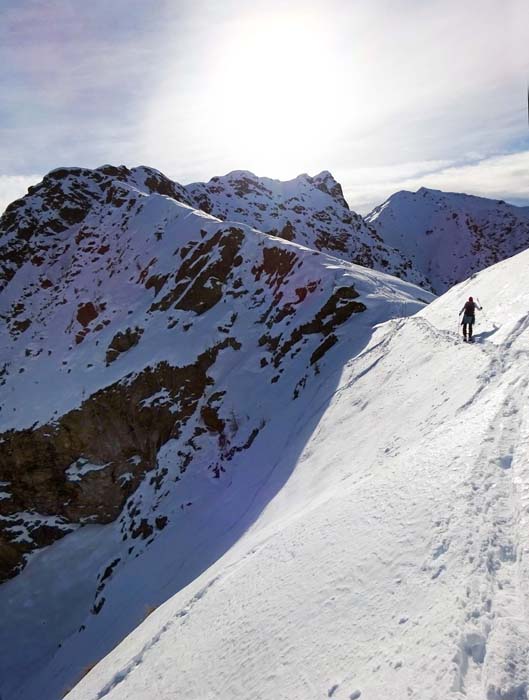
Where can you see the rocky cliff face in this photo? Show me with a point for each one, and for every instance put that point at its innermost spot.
(131, 321)
(448, 237)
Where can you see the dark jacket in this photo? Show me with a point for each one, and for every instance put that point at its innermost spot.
(470, 311)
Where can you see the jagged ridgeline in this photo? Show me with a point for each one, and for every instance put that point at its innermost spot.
(130, 320)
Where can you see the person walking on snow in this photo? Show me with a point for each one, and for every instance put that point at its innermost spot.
(469, 317)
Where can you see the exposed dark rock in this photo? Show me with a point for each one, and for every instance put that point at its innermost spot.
(122, 342)
(211, 419)
(110, 428)
(208, 273)
(86, 313)
(338, 308)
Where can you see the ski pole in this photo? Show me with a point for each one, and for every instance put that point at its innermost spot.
(483, 312)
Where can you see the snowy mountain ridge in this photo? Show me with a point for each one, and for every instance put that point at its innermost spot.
(152, 357)
(450, 236)
(251, 443)
(308, 210)
(393, 562)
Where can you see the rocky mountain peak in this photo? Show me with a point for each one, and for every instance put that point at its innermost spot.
(309, 210)
(326, 183)
(450, 236)
(63, 199)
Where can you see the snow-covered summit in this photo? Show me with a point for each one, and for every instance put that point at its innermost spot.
(449, 236)
(308, 210)
(64, 198)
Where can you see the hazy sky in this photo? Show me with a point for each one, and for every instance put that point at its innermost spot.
(386, 94)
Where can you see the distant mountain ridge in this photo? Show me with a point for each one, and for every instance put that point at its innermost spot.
(450, 236)
(309, 210)
(431, 238)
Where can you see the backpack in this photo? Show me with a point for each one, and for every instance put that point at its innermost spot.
(470, 308)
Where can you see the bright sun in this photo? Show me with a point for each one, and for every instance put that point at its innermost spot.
(273, 88)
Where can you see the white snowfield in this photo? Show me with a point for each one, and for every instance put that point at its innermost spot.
(392, 561)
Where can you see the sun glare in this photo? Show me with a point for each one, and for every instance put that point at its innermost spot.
(273, 87)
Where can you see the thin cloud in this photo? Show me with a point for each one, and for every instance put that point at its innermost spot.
(412, 90)
(411, 82)
(14, 187)
(77, 73)
(498, 177)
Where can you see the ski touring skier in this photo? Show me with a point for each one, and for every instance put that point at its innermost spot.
(469, 317)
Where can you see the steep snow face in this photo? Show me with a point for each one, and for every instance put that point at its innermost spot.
(157, 366)
(393, 561)
(449, 237)
(308, 210)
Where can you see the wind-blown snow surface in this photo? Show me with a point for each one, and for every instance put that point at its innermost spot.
(450, 236)
(161, 368)
(393, 561)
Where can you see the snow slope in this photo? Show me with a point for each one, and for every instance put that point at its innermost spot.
(161, 373)
(309, 210)
(392, 562)
(450, 236)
